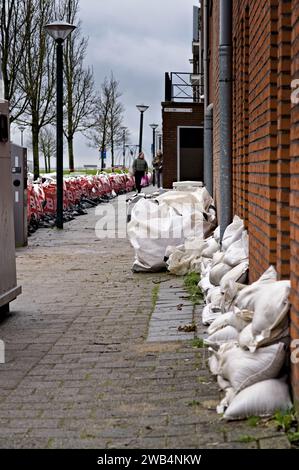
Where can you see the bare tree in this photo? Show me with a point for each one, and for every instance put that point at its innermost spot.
(37, 71)
(115, 117)
(47, 141)
(80, 91)
(12, 49)
(99, 135)
(108, 118)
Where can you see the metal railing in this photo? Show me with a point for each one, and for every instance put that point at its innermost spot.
(184, 86)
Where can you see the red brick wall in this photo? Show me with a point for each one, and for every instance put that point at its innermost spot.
(265, 156)
(240, 109)
(294, 202)
(261, 121)
(171, 122)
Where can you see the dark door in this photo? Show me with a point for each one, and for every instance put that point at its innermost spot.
(191, 154)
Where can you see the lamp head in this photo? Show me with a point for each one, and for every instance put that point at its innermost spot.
(154, 126)
(59, 30)
(142, 108)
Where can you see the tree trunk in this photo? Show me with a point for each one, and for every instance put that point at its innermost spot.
(49, 163)
(35, 150)
(70, 144)
(46, 164)
(112, 152)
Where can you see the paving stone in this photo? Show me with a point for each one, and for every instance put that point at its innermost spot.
(81, 372)
(281, 442)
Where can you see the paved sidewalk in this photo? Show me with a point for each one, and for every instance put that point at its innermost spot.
(79, 371)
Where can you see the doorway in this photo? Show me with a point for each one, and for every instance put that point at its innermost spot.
(190, 153)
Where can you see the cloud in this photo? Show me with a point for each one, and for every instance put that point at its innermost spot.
(139, 40)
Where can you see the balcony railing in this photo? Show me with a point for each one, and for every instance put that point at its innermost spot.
(183, 86)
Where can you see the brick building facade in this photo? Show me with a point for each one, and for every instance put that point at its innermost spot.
(171, 122)
(265, 130)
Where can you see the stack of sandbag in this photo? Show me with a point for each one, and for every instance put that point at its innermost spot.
(168, 221)
(227, 271)
(248, 347)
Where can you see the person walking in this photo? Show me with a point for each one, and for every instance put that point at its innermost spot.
(158, 167)
(140, 168)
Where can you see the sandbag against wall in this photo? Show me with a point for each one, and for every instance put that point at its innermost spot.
(243, 368)
(261, 399)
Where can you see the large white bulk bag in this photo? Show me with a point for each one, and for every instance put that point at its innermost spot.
(243, 368)
(261, 399)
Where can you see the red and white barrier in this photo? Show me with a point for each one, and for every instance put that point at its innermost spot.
(42, 196)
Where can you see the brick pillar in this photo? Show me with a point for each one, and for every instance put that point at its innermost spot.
(283, 138)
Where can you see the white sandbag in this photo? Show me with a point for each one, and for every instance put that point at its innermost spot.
(248, 341)
(246, 298)
(195, 266)
(223, 384)
(204, 284)
(233, 318)
(217, 258)
(171, 249)
(233, 232)
(271, 307)
(213, 364)
(230, 294)
(237, 252)
(209, 314)
(211, 247)
(225, 335)
(246, 337)
(179, 263)
(214, 297)
(243, 368)
(229, 396)
(217, 273)
(216, 234)
(261, 399)
(237, 274)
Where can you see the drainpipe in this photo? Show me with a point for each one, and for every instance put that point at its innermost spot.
(208, 149)
(206, 15)
(225, 63)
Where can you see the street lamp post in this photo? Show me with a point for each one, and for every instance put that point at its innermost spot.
(124, 146)
(142, 108)
(154, 127)
(59, 32)
(21, 129)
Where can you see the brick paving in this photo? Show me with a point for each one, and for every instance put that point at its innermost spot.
(79, 370)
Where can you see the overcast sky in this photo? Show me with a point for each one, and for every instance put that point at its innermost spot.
(138, 40)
